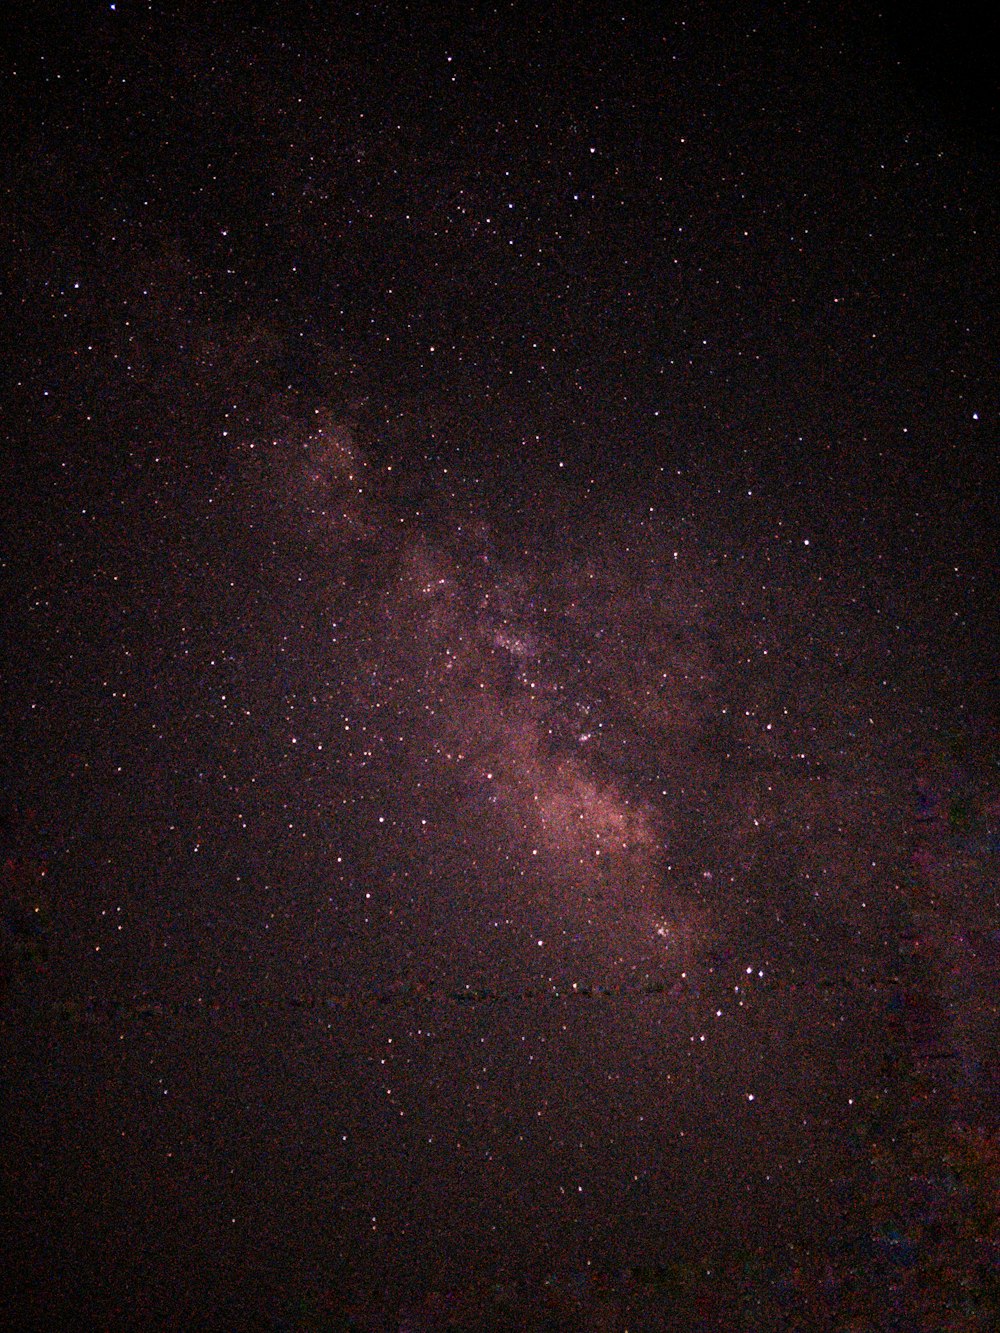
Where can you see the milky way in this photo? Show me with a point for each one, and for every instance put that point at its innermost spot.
(544, 703)
(590, 741)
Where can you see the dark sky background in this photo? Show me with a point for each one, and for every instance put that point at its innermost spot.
(500, 615)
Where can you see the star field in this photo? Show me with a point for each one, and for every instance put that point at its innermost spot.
(500, 802)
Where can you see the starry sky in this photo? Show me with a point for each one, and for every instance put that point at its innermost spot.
(500, 620)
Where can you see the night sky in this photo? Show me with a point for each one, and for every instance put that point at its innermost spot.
(501, 792)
